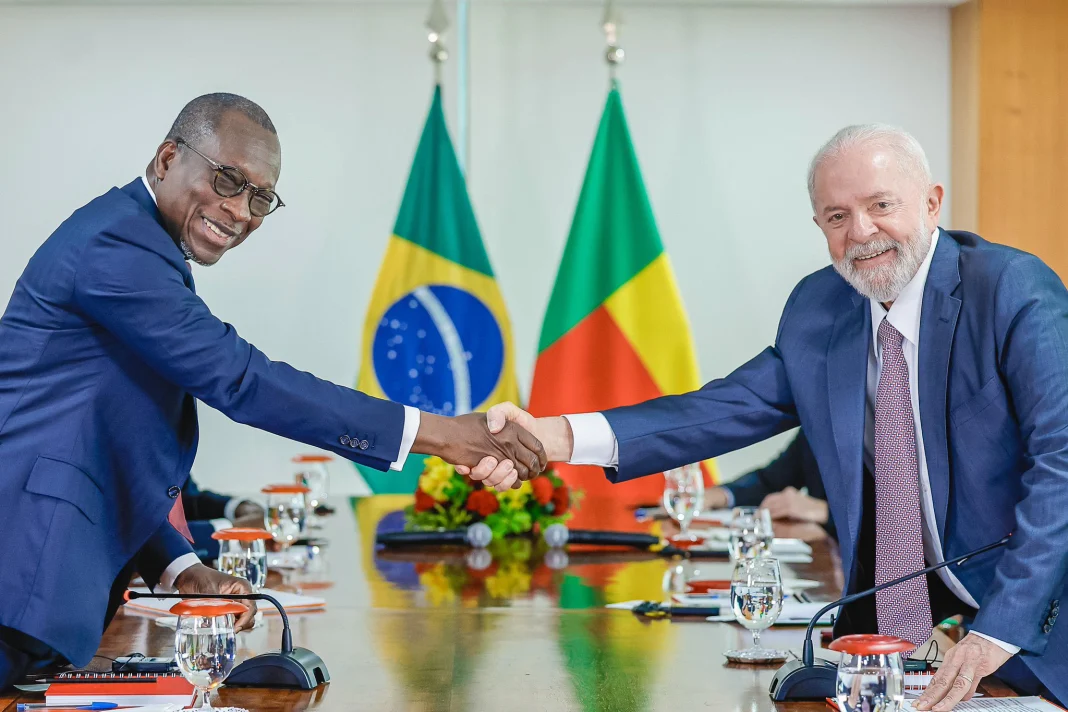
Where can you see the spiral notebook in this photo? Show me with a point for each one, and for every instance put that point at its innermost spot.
(123, 689)
(1006, 704)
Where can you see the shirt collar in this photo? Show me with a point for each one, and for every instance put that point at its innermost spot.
(904, 314)
(150, 191)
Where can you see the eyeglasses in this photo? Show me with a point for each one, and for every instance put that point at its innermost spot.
(230, 181)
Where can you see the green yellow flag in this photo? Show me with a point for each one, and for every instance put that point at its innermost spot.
(437, 335)
(616, 331)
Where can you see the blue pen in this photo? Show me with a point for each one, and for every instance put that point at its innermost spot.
(44, 706)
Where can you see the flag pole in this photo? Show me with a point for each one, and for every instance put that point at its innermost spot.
(436, 24)
(612, 24)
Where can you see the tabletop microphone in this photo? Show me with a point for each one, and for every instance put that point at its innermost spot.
(805, 679)
(557, 536)
(478, 535)
(290, 667)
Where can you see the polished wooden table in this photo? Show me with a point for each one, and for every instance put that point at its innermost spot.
(425, 631)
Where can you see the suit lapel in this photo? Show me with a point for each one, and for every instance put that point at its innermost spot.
(847, 369)
(139, 193)
(938, 322)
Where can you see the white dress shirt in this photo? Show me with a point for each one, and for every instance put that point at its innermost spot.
(183, 562)
(595, 443)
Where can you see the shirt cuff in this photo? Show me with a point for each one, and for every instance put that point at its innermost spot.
(594, 440)
(230, 510)
(172, 572)
(730, 497)
(1007, 647)
(220, 524)
(411, 429)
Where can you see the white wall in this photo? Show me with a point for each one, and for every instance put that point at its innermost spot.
(726, 106)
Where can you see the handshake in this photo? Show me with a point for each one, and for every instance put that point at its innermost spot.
(502, 448)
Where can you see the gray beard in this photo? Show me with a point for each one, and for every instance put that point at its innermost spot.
(189, 254)
(885, 283)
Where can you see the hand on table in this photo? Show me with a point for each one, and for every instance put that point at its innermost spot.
(250, 515)
(794, 504)
(510, 453)
(965, 664)
(199, 578)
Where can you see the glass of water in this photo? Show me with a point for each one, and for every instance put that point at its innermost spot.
(684, 495)
(287, 512)
(870, 673)
(756, 598)
(751, 533)
(243, 553)
(204, 644)
(313, 474)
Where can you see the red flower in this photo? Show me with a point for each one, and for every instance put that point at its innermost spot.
(483, 502)
(561, 500)
(423, 501)
(543, 490)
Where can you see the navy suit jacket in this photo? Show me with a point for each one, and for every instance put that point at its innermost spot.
(104, 350)
(993, 400)
(201, 506)
(795, 467)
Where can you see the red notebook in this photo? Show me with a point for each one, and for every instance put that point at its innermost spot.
(124, 689)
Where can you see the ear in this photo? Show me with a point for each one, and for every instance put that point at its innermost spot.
(933, 206)
(165, 156)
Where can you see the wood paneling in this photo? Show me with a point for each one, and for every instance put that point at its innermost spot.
(1010, 82)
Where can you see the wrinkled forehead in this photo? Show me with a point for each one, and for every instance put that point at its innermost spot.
(240, 142)
(859, 172)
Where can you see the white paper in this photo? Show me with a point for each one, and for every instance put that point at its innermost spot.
(1000, 703)
(793, 613)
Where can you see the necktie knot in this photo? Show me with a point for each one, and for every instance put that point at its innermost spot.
(888, 335)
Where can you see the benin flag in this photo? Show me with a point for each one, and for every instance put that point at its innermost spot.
(437, 335)
(615, 332)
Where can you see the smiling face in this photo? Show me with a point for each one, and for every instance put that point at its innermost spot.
(203, 223)
(877, 216)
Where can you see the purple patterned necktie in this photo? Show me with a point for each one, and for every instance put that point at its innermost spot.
(903, 610)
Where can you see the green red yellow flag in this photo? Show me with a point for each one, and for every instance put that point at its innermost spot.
(615, 331)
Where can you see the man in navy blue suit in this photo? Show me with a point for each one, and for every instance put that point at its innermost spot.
(929, 371)
(105, 349)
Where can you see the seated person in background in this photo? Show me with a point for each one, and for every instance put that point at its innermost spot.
(207, 512)
(777, 487)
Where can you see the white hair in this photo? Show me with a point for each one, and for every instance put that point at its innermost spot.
(904, 145)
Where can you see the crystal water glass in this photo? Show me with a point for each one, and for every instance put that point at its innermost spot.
(870, 673)
(287, 513)
(684, 495)
(243, 553)
(751, 534)
(756, 599)
(205, 645)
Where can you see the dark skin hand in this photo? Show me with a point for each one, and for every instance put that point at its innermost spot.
(199, 578)
(250, 515)
(466, 439)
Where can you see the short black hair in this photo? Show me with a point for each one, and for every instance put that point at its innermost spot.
(201, 117)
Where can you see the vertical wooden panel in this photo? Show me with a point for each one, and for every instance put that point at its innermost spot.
(1023, 126)
(964, 115)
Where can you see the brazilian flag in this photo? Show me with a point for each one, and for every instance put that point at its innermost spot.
(437, 335)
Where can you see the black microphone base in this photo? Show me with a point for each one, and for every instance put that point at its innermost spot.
(795, 682)
(301, 669)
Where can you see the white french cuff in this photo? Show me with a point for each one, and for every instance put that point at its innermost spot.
(1007, 647)
(594, 440)
(172, 572)
(411, 429)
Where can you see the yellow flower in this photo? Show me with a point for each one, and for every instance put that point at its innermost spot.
(515, 498)
(510, 580)
(436, 584)
(437, 474)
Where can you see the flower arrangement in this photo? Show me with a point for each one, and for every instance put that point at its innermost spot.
(515, 569)
(445, 499)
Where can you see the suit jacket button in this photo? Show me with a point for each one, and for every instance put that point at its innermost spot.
(173, 491)
(1047, 628)
(344, 440)
(364, 445)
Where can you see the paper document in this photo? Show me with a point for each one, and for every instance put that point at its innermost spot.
(1028, 704)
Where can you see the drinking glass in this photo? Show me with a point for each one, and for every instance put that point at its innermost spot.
(870, 673)
(286, 513)
(243, 553)
(684, 495)
(756, 597)
(313, 474)
(751, 533)
(204, 644)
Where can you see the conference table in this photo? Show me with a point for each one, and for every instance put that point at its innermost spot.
(439, 629)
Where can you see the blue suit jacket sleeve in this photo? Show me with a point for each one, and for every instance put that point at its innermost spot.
(205, 547)
(163, 547)
(138, 293)
(751, 404)
(786, 470)
(1032, 314)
